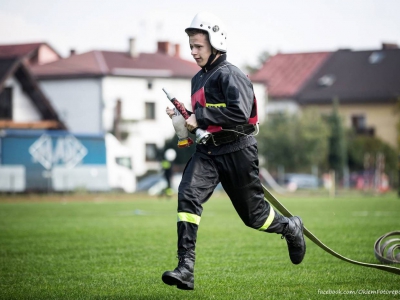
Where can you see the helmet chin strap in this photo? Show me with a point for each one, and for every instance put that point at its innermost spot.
(210, 60)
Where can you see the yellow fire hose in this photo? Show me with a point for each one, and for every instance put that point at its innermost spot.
(316, 241)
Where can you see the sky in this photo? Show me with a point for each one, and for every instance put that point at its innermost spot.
(254, 26)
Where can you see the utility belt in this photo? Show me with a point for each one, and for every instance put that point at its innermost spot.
(229, 135)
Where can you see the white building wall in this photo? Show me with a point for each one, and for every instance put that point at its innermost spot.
(288, 106)
(262, 100)
(77, 102)
(133, 94)
(22, 106)
(13, 178)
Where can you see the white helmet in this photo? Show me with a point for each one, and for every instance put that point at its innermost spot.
(214, 26)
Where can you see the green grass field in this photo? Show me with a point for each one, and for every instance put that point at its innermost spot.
(117, 246)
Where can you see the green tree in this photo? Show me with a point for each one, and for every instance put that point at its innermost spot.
(314, 138)
(337, 156)
(276, 141)
(261, 59)
(295, 142)
(397, 111)
(359, 145)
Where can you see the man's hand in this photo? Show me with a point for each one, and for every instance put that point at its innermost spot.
(170, 112)
(173, 111)
(191, 123)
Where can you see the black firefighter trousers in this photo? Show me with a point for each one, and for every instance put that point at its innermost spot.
(239, 176)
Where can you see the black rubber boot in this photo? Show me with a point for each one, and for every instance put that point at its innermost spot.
(293, 233)
(183, 275)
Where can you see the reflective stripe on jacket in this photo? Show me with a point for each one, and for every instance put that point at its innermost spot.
(223, 97)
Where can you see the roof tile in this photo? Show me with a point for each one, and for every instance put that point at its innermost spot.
(18, 50)
(358, 76)
(118, 63)
(285, 74)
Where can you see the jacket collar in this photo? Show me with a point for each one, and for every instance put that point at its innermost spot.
(215, 63)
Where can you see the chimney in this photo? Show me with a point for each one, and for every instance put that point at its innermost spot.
(72, 52)
(177, 50)
(163, 47)
(132, 48)
(386, 46)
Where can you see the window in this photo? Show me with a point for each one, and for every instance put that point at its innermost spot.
(124, 161)
(327, 80)
(6, 104)
(358, 122)
(150, 112)
(151, 152)
(376, 57)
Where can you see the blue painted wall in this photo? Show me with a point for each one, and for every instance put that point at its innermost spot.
(15, 145)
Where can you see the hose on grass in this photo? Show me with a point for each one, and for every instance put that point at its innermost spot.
(385, 248)
(282, 209)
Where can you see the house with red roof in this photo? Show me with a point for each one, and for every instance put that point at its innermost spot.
(23, 105)
(284, 75)
(365, 83)
(37, 150)
(32, 53)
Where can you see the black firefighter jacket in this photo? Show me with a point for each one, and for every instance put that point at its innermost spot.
(230, 100)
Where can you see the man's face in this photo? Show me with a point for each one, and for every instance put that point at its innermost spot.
(201, 48)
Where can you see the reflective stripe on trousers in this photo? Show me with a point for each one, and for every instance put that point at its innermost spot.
(187, 217)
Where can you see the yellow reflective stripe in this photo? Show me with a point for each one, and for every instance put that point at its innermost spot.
(216, 105)
(187, 217)
(269, 219)
(184, 142)
(165, 164)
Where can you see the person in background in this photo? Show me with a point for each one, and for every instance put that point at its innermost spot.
(166, 165)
